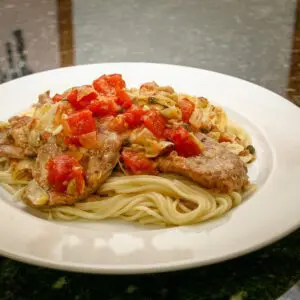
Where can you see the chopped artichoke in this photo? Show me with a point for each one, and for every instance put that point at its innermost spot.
(161, 100)
(35, 194)
(196, 118)
(34, 138)
(167, 89)
(72, 187)
(172, 112)
(221, 119)
(201, 102)
(215, 135)
(57, 130)
(47, 118)
(197, 141)
(233, 147)
(144, 140)
(23, 170)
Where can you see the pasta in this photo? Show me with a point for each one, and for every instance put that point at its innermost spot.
(147, 199)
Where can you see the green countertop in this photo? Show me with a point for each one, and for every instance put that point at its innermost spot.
(265, 274)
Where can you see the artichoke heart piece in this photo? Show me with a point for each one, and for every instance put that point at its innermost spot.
(34, 138)
(221, 119)
(47, 116)
(35, 195)
(23, 170)
(172, 112)
(72, 187)
(196, 118)
(161, 100)
(144, 139)
(197, 141)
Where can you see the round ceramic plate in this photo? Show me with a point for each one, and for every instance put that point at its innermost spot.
(118, 247)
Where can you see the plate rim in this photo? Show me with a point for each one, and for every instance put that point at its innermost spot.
(144, 268)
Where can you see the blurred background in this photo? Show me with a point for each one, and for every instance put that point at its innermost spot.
(255, 40)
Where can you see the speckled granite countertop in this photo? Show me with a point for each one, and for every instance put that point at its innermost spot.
(258, 40)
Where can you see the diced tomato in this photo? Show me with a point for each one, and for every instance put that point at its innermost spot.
(109, 85)
(129, 120)
(81, 97)
(102, 86)
(134, 117)
(103, 106)
(118, 124)
(155, 122)
(184, 144)
(57, 98)
(176, 135)
(123, 99)
(187, 108)
(72, 96)
(61, 170)
(89, 140)
(138, 163)
(72, 140)
(116, 81)
(81, 122)
(46, 135)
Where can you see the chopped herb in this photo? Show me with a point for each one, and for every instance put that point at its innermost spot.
(251, 149)
(152, 100)
(186, 126)
(126, 142)
(204, 130)
(121, 110)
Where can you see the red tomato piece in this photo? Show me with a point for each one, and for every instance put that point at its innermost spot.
(72, 96)
(57, 98)
(80, 97)
(187, 108)
(81, 122)
(118, 124)
(61, 170)
(109, 85)
(116, 81)
(123, 99)
(134, 117)
(102, 86)
(72, 140)
(155, 122)
(103, 106)
(138, 163)
(184, 144)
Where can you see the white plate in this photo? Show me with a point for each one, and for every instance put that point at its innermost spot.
(118, 247)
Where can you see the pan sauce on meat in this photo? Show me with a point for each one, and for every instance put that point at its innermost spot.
(97, 164)
(215, 168)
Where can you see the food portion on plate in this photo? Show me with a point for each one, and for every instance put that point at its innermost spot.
(144, 154)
